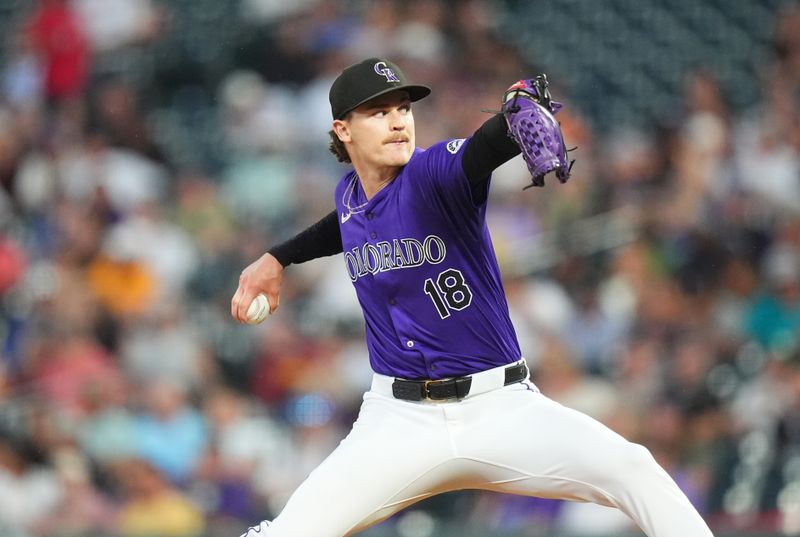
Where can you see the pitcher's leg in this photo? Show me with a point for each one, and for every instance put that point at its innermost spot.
(541, 448)
(381, 467)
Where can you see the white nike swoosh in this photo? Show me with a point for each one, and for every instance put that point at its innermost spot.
(346, 217)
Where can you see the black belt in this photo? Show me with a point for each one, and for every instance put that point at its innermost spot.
(452, 388)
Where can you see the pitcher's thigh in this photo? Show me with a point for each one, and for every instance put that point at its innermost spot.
(540, 448)
(369, 474)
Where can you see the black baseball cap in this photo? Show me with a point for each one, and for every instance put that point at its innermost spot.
(366, 80)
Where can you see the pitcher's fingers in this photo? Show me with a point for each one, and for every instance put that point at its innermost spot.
(236, 305)
(244, 305)
(235, 302)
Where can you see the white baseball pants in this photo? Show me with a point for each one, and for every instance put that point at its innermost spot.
(511, 439)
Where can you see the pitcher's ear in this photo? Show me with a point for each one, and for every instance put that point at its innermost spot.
(342, 130)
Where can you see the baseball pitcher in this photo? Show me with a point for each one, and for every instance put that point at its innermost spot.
(451, 404)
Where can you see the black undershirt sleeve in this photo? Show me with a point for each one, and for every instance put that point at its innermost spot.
(319, 240)
(488, 148)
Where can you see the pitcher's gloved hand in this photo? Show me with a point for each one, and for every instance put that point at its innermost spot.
(530, 115)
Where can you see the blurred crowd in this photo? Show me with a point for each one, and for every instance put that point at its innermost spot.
(658, 290)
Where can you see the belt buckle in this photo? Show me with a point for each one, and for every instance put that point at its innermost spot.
(426, 387)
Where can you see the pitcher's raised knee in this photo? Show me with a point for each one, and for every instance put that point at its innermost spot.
(630, 465)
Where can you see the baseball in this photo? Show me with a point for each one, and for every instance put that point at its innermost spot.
(258, 310)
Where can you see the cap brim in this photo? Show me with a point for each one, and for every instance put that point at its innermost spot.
(415, 93)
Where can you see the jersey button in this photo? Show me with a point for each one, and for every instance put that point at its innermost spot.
(373, 235)
(370, 216)
(392, 301)
(409, 343)
(433, 367)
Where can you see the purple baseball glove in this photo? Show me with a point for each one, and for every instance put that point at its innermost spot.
(530, 115)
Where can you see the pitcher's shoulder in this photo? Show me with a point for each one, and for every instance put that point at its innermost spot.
(445, 149)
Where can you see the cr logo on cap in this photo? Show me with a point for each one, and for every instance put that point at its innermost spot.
(382, 70)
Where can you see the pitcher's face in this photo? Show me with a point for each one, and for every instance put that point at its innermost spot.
(380, 132)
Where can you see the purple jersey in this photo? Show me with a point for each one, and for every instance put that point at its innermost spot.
(422, 262)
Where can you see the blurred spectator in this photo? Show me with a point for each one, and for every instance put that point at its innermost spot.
(59, 38)
(731, 301)
(373, 37)
(170, 434)
(271, 201)
(23, 79)
(12, 263)
(687, 370)
(285, 359)
(201, 213)
(168, 348)
(165, 249)
(282, 54)
(594, 335)
(107, 433)
(421, 36)
(268, 11)
(244, 455)
(29, 490)
(122, 284)
(119, 178)
(112, 24)
(11, 151)
(561, 379)
(83, 509)
(66, 369)
(152, 506)
(639, 372)
(259, 116)
(118, 117)
(774, 316)
(767, 160)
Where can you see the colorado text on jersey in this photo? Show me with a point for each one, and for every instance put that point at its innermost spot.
(397, 254)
